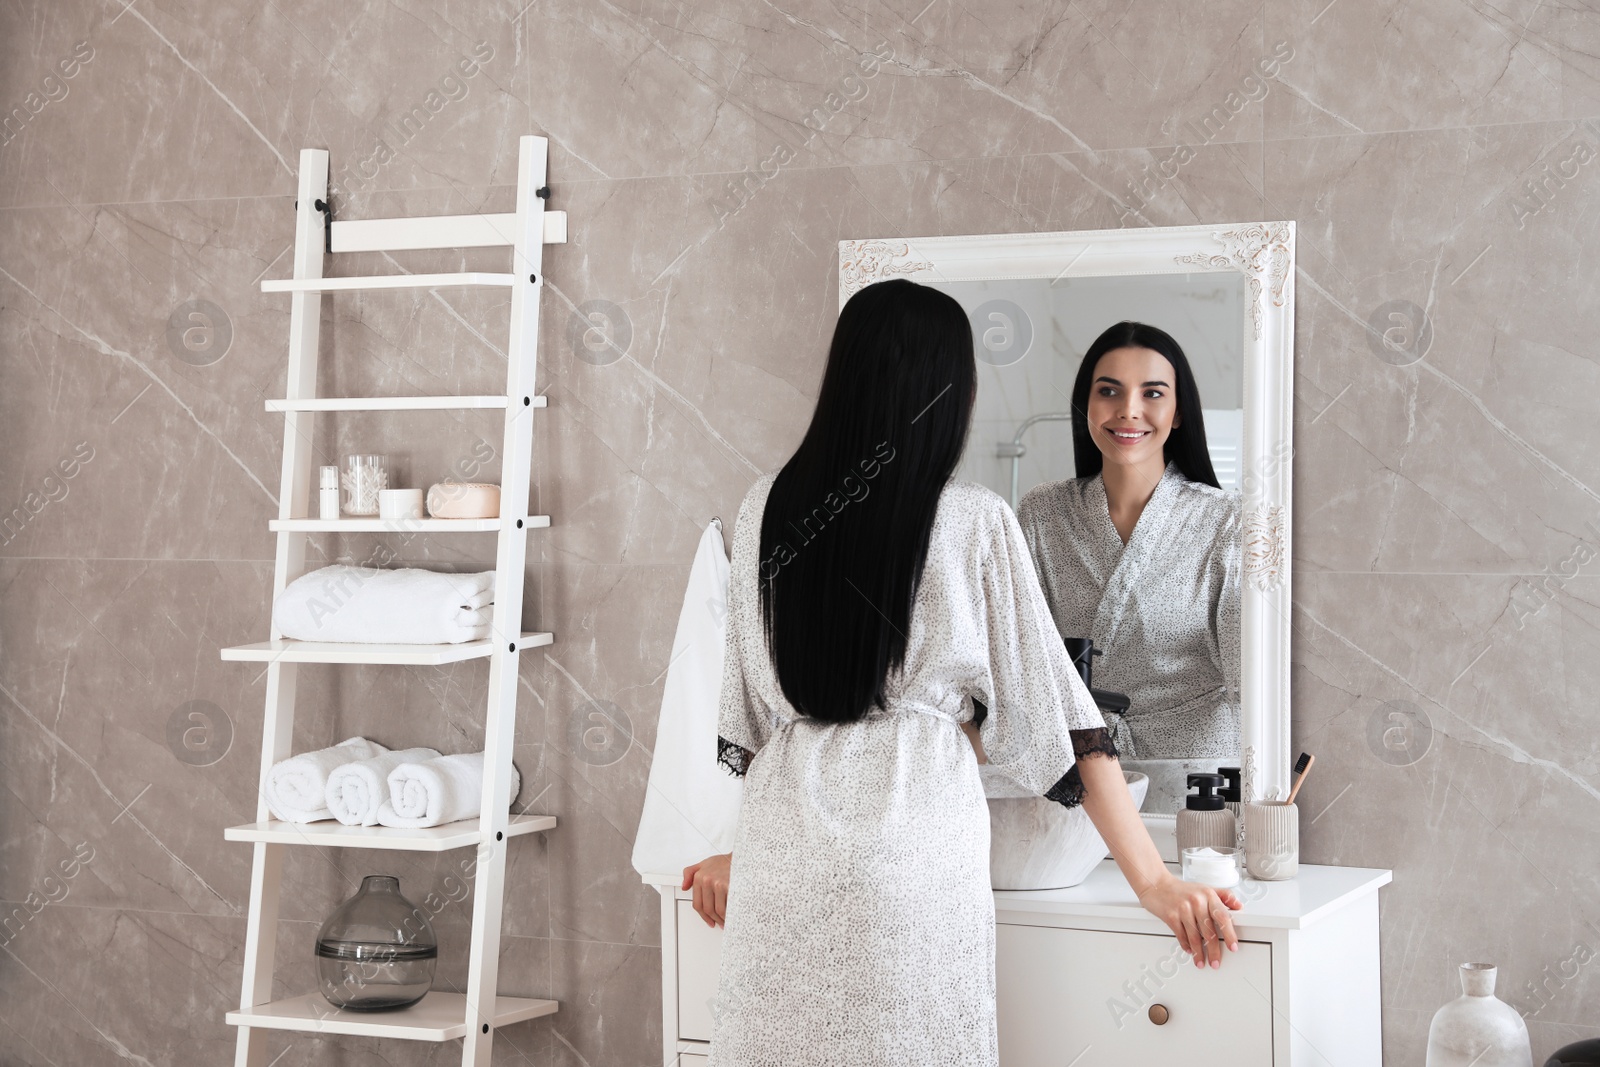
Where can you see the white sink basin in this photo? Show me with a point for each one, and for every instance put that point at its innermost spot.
(1036, 843)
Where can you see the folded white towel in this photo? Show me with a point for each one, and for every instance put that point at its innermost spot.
(355, 790)
(374, 605)
(297, 788)
(447, 789)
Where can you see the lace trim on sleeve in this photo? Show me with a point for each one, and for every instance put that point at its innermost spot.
(734, 757)
(1068, 790)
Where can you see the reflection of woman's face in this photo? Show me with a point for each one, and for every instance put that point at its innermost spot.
(1133, 405)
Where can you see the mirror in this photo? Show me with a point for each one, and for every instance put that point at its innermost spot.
(1030, 335)
(1188, 608)
(1161, 610)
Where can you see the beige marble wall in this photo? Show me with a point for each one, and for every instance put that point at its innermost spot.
(1448, 513)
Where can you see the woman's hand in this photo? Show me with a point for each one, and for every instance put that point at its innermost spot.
(1198, 914)
(709, 879)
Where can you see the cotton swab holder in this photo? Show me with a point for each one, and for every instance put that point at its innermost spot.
(364, 477)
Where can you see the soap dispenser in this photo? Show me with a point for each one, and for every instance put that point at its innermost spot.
(1231, 780)
(1204, 820)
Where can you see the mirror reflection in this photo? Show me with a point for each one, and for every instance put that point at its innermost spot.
(1110, 413)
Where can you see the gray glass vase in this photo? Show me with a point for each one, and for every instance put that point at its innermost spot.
(1476, 1029)
(377, 951)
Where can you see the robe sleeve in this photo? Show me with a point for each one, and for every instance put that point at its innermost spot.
(1227, 566)
(744, 723)
(742, 729)
(1032, 693)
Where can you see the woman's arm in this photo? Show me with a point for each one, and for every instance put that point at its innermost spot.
(709, 877)
(1197, 914)
(971, 730)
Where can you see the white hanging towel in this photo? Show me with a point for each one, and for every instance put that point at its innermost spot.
(691, 803)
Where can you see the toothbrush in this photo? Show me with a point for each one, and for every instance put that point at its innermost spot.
(1302, 767)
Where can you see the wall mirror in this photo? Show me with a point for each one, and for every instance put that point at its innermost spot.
(1225, 294)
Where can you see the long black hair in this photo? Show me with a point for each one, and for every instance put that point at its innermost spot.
(845, 533)
(1186, 444)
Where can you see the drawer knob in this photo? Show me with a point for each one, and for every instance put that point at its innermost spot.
(1159, 1014)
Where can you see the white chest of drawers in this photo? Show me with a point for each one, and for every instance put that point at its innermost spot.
(1087, 977)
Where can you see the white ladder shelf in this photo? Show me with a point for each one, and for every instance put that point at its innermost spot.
(476, 1014)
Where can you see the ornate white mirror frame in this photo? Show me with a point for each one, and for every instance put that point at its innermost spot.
(1263, 252)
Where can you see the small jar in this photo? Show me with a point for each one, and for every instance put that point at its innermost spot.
(397, 505)
(1217, 867)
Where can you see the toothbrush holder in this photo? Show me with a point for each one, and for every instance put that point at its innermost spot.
(1271, 840)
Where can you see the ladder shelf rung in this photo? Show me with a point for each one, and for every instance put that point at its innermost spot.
(289, 651)
(436, 1017)
(531, 522)
(439, 231)
(332, 834)
(461, 280)
(397, 403)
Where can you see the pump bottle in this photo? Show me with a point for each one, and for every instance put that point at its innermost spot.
(1204, 819)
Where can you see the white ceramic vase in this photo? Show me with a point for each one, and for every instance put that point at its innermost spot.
(1477, 1029)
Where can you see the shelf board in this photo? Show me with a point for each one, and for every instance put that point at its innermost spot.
(333, 834)
(395, 403)
(365, 525)
(287, 651)
(466, 280)
(438, 231)
(436, 1017)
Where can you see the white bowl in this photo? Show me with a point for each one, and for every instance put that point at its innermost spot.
(1036, 843)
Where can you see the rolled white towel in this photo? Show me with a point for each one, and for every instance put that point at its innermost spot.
(447, 789)
(355, 790)
(297, 788)
(375, 605)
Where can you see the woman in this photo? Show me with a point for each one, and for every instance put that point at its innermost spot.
(872, 604)
(1141, 551)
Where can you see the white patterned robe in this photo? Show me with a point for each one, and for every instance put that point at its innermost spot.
(860, 925)
(1164, 608)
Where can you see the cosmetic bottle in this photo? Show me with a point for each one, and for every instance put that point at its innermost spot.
(1203, 820)
(1231, 781)
(328, 493)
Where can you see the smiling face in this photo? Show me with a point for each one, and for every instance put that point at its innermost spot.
(1133, 406)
